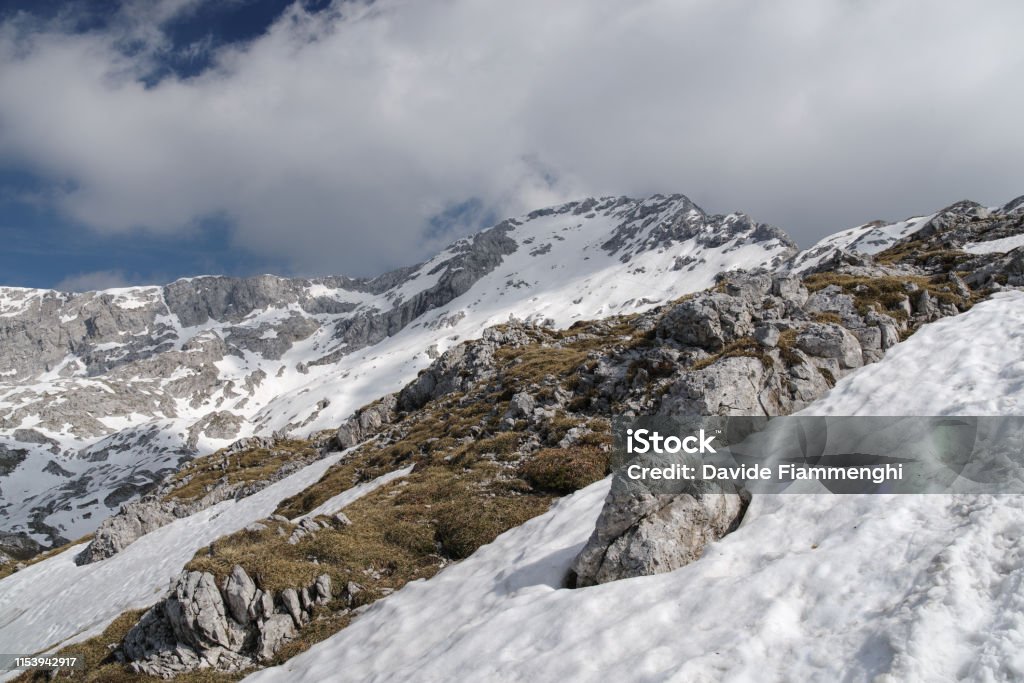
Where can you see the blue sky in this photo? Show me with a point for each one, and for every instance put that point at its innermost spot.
(43, 248)
(144, 140)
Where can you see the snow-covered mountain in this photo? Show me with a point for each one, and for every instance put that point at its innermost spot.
(911, 588)
(104, 393)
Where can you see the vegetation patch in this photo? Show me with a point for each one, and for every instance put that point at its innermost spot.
(922, 253)
(742, 347)
(827, 317)
(564, 470)
(199, 476)
(536, 363)
(787, 348)
(885, 293)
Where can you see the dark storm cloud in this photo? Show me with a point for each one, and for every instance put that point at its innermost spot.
(333, 139)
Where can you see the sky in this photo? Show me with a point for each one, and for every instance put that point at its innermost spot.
(145, 140)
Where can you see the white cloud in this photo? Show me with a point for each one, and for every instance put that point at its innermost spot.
(331, 140)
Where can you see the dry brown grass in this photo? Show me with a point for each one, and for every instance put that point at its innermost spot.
(918, 253)
(196, 478)
(744, 346)
(564, 470)
(827, 317)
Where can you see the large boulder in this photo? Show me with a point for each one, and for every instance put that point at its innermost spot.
(231, 629)
(730, 386)
(277, 630)
(826, 340)
(196, 611)
(640, 533)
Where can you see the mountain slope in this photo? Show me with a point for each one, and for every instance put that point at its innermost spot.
(485, 416)
(104, 393)
(809, 588)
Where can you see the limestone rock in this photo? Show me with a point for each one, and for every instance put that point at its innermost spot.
(277, 630)
(196, 611)
(522, 405)
(290, 601)
(239, 594)
(831, 341)
(323, 589)
(133, 521)
(665, 539)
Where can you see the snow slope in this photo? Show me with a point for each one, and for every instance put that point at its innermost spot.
(995, 246)
(81, 600)
(809, 588)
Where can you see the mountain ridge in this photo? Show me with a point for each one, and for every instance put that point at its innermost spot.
(139, 380)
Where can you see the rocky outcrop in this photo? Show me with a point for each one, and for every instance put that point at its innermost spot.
(455, 370)
(642, 232)
(366, 422)
(132, 522)
(18, 546)
(760, 345)
(460, 367)
(228, 628)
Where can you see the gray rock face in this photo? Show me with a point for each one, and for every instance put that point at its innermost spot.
(760, 350)
(659, 533)
(522, 405)
(831, 341)
(278, 630)
(18, 546)
(686, 221)
(707, 322)
(196, 611)
(366, 422)
(453, 371)
(322, 588)
(133, 521)
(740, 386)
(290, 600)
(198, 626)
(239, 594)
